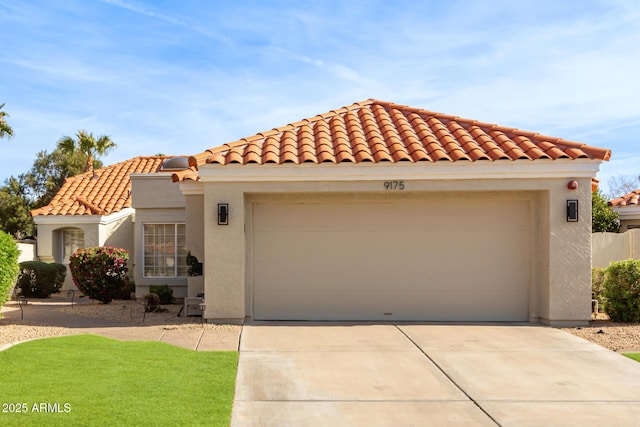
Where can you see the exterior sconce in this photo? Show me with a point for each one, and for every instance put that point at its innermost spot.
(572, 185)
(572, 211)
(223, 213)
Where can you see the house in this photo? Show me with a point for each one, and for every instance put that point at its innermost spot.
(92, 209)
(375, 212)
(628, 207)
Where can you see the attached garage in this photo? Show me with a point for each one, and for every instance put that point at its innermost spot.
(428, 257)
(383, 212)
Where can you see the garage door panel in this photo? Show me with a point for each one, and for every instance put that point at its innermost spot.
(416, 305)
(308, 265)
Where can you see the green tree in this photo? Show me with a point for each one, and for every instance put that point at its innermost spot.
(603, 218)
(5, 129)
(88, 145)
(15, 217)
(36, 188)
(48, 173)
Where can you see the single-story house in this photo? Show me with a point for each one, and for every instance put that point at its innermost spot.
(92, 209)
(628, 207)
(371, 212)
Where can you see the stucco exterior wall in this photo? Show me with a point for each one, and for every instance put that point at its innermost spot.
(561, 264)
(50, 240)
(27, 252)
(195, 232)
(629, 224)
(155, 191)
(119, 234)
(112, 230)
(629, 217)
(569, 256)
(155, 200)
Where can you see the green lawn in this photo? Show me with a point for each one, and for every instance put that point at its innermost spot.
(95, 381)
(634, 356)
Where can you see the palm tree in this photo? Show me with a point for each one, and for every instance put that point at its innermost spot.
(88, 145)
(5, 129)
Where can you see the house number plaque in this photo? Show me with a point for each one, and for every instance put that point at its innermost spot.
(394, 185)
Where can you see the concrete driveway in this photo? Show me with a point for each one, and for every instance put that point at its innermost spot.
(302, 374)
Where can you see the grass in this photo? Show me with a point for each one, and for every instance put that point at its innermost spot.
(634, 356)
(105, 382)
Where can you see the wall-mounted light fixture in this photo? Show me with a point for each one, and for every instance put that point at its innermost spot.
(223, 213)
(572, 211)
(572, 185)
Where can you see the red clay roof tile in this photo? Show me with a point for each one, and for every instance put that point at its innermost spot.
(630, 199)
(377, 131)
(102, 192)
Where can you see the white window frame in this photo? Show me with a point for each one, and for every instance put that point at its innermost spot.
(176, 255)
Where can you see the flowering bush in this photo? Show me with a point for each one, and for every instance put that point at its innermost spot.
(99, 272)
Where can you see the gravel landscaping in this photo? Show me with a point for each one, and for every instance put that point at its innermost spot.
(619, 337)
(121, 313)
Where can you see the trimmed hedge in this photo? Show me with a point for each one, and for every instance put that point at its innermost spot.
(100, 272)
(622, 290)
(8, 266)
(39, 279)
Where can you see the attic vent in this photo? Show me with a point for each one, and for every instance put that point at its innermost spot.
(175, 163)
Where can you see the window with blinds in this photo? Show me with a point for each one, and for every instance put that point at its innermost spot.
(165, 254)
(72, 240)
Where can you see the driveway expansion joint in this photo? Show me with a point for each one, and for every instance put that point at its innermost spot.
(476, 403)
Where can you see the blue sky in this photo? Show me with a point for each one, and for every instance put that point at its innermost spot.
(178, 77)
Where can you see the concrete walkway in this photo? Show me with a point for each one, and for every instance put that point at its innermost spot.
(47, 313)
(301, 374)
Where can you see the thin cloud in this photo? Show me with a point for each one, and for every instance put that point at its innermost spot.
(155, 14)
(181, 77)
(144, 10)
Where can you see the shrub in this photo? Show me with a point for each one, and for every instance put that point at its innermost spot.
(99, 272)
(39, 280)
(124, 293)
(597, 286)
(622, 290)
(8, 266)
(151, 302)
(195, 267)
(164, 292)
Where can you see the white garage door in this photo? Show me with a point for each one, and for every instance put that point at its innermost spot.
(430, 260)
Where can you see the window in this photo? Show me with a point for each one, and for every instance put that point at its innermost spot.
(164, 250)
(72, 240)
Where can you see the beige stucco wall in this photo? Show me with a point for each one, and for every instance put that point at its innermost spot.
(50, 239)
(155, 191)
(111, 230)
(629, 224)
(195, 242)
(570, 256)
(629, 217)
(561, 279)
(155, 200)
(27, 252)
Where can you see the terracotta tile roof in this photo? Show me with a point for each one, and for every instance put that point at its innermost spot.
(103, 192)
(376, 131)
(631, 199)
